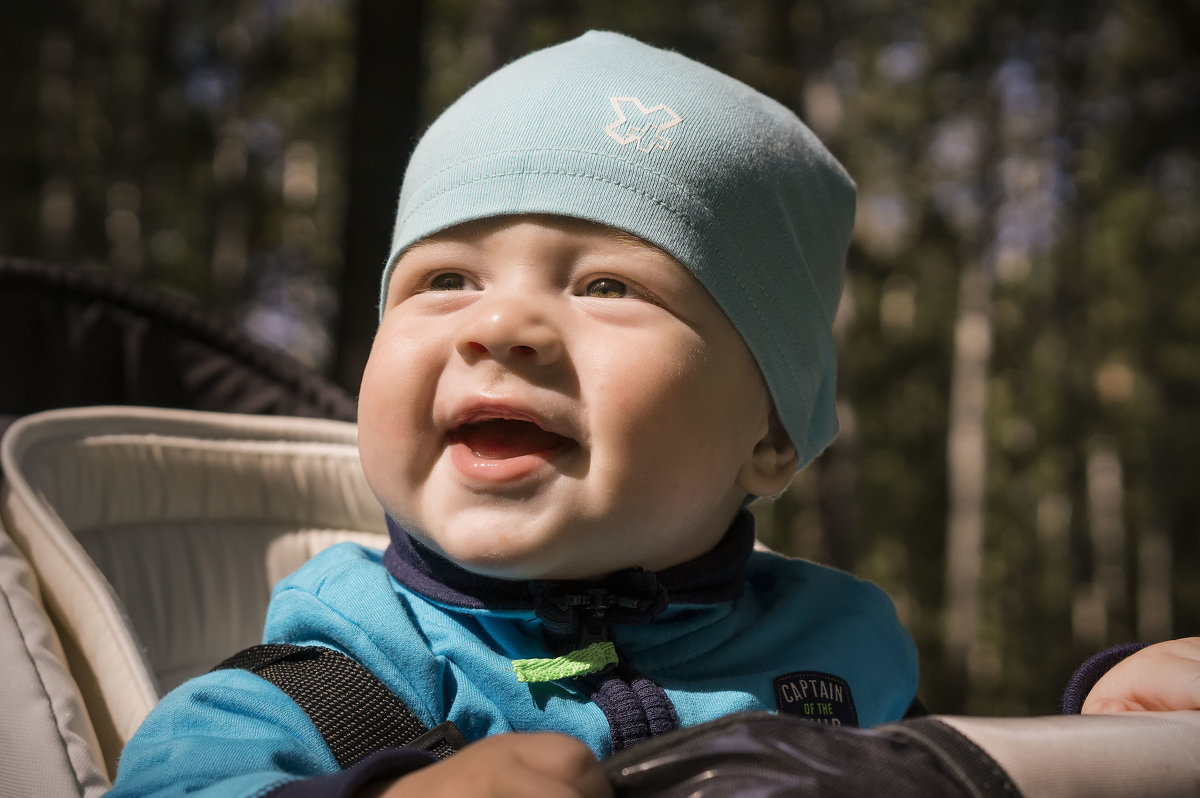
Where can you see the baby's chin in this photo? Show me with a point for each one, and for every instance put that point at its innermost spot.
(516, 560)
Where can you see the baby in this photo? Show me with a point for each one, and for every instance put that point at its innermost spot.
(606, 325)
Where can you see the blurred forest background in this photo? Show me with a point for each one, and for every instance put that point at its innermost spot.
(1020, 331)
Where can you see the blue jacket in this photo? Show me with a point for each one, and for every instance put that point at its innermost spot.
(770, 634)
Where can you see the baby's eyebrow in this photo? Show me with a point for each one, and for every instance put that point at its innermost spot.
(631, 240)
(634, 242)
(421, 243)
(454, 234)
(445, 246)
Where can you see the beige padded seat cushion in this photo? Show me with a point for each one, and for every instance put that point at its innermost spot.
(158, 534)
(47, 744)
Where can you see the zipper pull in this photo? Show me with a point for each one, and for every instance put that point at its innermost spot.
(596, 658)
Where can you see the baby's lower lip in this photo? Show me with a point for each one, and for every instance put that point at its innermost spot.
(487, 468)
(502, 450)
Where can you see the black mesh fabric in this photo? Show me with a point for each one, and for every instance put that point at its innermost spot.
(355, 713)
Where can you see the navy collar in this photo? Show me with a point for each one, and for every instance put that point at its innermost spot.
(711, 578)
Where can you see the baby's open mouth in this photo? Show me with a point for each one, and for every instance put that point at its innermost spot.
(503, 438)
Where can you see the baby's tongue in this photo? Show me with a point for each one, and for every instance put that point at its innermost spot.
(499, 439)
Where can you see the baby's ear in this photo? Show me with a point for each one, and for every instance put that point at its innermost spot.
(770, 468)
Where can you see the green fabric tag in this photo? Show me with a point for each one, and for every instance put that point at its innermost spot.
(595, 657)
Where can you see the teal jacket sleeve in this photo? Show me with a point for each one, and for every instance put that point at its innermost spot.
(226, 733)
(230, 733)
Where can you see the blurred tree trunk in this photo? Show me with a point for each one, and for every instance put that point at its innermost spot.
(966, 433)
(384, 119)
(1154, 563)
(967, 471)
(1100, 608)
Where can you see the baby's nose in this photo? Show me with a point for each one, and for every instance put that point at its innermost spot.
(510, 330)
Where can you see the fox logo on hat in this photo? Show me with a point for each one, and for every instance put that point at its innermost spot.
(636, 122)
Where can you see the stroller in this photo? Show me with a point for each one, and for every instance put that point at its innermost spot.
(160, 473)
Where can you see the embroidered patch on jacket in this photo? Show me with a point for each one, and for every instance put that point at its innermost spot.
(817, 696)
(637, 123)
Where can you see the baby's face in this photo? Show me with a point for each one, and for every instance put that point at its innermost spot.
(548, 398)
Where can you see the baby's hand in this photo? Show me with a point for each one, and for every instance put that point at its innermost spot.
(1161, 677)
(508, 766)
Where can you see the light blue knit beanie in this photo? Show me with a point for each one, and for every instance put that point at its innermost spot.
(726, 180)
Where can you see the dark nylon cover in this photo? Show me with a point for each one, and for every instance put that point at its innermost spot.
(72, 336)
(761, 755)
(355, 713)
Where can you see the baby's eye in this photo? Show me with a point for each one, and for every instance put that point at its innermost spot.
(606, 288)
(448, 281)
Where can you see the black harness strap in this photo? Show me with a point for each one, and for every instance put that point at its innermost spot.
(354, 711)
